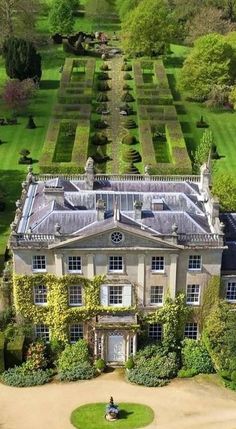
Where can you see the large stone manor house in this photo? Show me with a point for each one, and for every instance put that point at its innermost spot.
(146, 236)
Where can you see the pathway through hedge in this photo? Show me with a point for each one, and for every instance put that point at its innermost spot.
(116, 130)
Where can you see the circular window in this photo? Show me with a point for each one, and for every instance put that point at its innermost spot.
(116, 237)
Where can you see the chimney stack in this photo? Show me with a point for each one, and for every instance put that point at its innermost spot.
(100, 206)
(138, 205)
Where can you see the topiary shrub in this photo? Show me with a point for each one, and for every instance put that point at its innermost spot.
(100, 365)
(130, 169)
(82, 371)
(126, 67)
(126, 87)
(130, 123)
(196, 357)
(131, 155)
(102, 108)
(129, 139)
(103, 86)
(127, 76)
(20, 376)
(102, 97)
(127, 97)
(73, 355)
(127, 108)
(129, 364)
(104, 67)
(186, 373)
(100, 124)
(99, 139)
(144, 377)
(103, 76)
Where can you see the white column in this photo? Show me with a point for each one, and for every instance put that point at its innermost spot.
(59, 271)
(95, 344)
(102, 346)
(141, 279)
(173, 275)
(90, 266)
(127, 346)
(134, 344)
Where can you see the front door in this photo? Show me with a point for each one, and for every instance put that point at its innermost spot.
(116, 348)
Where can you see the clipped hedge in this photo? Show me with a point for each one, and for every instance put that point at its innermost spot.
(2, 343)
(19, 376)
(144, 377)
(83, 371)
(14, 351)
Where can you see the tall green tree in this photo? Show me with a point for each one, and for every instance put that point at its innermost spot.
(126, 6)
(203, 150)
(224, 187)
(148, 28)
(209, 63)
(21, 59)
(61, 19)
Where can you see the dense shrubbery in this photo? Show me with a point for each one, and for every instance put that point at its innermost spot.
(73, 355)
(21, 376)
(36, 356)
(196, 358)
(82, 371)
(154, 366)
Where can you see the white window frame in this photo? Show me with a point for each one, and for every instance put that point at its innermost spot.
(193, 293)
(191, 328)
(70, 293)
(197, 257)
(68, 263)
(112, 270)
(38, 291)
(39, 270)
(230, 285)
(157, 294)
(42, 331)
(157, 333)
(76, 328)
(161, 261)
(118, 304)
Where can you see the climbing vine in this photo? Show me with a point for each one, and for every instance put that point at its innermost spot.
(57, 314)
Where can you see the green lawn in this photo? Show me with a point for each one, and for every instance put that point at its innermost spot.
(222, 123)
(132, 416)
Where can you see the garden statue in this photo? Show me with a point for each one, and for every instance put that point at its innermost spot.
(112, 411)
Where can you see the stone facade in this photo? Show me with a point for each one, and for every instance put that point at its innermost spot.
(150, 237)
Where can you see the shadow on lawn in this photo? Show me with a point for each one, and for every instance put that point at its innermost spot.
(123, 414)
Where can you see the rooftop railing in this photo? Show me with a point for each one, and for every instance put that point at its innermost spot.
(201, 239)
(121, 177)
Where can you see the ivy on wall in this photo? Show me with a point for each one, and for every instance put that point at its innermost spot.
(57, 314)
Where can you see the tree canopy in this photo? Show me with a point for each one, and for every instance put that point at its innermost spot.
(224, 187)
(147, 28)
(209, 63)
(61, 17)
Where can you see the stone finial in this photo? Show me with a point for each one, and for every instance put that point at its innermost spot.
(24, 184)
(138, 205)
(18, 204)
(57, 228)
(13, 226)
(205, 178)
(30, 176)
(89, 173)
(174, 229)
(222, 227)
(147, 170)
(29, 231)
(100, 206)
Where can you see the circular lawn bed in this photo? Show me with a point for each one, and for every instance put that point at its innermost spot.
(131, 416)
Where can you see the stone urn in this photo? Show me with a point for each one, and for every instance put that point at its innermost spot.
(112, 411)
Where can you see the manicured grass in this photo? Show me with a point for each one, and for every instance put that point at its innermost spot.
(92, 416)
(222, 123)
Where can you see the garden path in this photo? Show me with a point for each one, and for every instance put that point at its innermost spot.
(116, 131)
(186, 404)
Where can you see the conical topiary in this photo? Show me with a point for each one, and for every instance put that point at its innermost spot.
(129, 139)
(130, 169)
(127, 76)
(31, 124)
(102, 97)
(131, 155)
(127, 97)
(103, 76)
(100, 124)
(103, 86)
(127, 108)
(126, 67)
(104, 67)
(126, 87)
(101, 108)
(130, 123)
(99, 139)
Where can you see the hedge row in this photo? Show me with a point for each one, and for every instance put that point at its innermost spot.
(74, 105)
